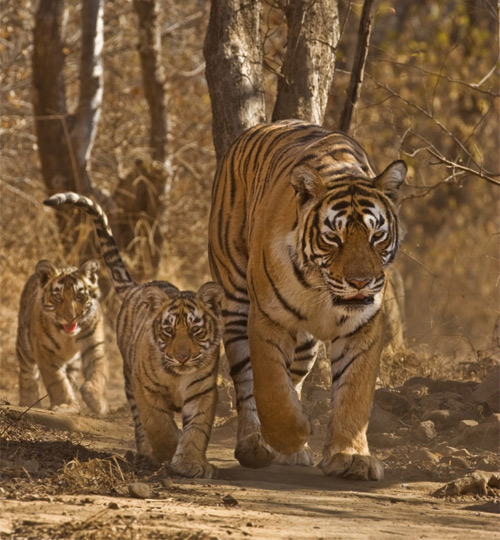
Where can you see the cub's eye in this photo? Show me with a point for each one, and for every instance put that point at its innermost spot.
(332, 238)
(57, 297)
(198, 331)
(377, 237)
(81, 296)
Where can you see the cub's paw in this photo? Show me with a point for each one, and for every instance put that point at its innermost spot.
(192, 468)
(94, 401)
(66, 408)
(355, 466)
(303, 457)
(252, 451)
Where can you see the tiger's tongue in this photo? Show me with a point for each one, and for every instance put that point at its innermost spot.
(70, 328)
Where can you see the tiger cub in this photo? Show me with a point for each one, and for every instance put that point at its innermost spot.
(170, 343)
(61, 325)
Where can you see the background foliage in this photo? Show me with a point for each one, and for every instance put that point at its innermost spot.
(431, 89)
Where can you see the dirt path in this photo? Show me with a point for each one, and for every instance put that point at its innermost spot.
(278, 502)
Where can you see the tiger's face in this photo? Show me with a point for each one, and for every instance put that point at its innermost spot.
(69, 295)
(348, 232)
(187, 327)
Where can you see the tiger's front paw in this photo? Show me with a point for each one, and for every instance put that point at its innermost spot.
(192, 468)
(95, 402)
(66, 408)
(303, 458)
(355, 466)
(252, 451)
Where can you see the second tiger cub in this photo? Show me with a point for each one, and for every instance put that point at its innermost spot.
(170, 341)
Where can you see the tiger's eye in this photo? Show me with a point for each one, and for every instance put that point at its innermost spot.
(332, 239)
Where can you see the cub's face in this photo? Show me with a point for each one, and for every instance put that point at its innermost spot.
(69, 295)
(188, 327)
(349, 232)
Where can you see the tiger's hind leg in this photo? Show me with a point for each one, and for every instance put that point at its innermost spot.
(95, 373)
(251, 449)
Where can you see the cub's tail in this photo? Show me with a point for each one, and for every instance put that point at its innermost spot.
(119, 273)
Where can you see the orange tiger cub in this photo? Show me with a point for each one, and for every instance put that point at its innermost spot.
(170, 343)
(61, 326)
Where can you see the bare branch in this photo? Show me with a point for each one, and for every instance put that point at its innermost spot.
(358, 69)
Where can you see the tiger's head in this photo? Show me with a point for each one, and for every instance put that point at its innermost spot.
(69, 295)
(347, 230)
(187, 326)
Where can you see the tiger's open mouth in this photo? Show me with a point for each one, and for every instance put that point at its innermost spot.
(70, 328)
(358, 300)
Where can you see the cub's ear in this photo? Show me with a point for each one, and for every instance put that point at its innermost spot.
(212, 295)
(154, 297)
(88, 270)
(307, 183)
(44, 270)
(391, 179)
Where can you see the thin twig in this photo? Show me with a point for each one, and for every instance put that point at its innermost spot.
(22, 414)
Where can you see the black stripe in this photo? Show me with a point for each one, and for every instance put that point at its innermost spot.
(288, 307)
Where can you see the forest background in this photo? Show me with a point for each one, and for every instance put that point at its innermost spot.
(430, 96)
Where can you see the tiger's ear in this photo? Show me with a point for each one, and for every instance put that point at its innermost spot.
(211, 294)
(391, 179)
(307, 183)
(154, 297)
(88, 270)
(44, 270)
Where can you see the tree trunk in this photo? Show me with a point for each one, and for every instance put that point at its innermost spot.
(152, 75)
(234, 57)
(65, 141)
(309, 64)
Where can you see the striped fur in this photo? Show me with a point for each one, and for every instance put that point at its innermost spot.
(301, 233)
(169, 340)
(61, 326)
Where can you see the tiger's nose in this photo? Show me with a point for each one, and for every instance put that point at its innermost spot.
(358, 283)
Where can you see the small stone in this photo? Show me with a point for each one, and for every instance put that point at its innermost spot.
(167, 482)
(382, 421)
(465, 424)
(139, 490)
(486, 435)
(463, 452)
(426, 431)
(483, 464)
(384, 440)
(445, 450)
(442, 418)
(229, 500)
(113, 506)
(424, 455)
(458, 462)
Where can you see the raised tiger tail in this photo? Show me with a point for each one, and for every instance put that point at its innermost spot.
(119, 274)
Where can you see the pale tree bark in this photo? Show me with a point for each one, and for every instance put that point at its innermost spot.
(309, 63)
(234, 69)
(65, 140)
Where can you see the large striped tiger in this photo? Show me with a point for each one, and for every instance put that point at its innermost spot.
(61, 326)
(301, 232)
(170, 341)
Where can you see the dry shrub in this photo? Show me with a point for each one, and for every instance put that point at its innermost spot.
(97, 476)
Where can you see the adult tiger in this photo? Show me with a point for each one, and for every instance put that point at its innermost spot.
(60, 328)
(301, 232)
(169, 340)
